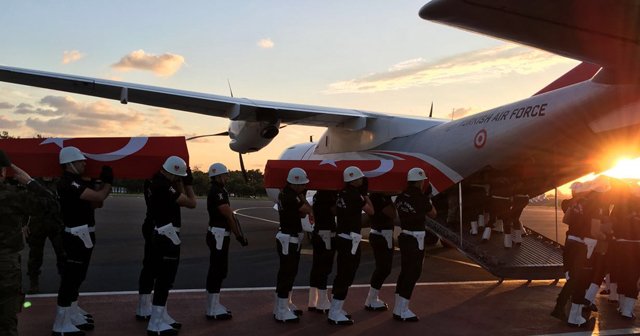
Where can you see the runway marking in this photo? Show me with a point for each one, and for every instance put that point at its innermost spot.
(629, 331)
(254, 217)
(257, 289)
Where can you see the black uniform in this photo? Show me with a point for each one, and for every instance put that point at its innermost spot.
(323, 202)
(500, 204)
(413, 206)
(349, 205)
(218, 258)
(289, 204)
(627, 234)
(382, 249)
(147, 278)
(75, 213)
(165, 255)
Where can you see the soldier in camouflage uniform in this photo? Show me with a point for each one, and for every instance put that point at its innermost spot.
(15, 205)
(40, 227)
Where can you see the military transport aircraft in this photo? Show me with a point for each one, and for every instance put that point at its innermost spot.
(557, 135)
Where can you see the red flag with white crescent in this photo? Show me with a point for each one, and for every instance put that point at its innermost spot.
(130, 158)
(383, 175)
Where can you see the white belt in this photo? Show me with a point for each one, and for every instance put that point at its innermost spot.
(591, 245)
(326, 236)
(501, 197)
(387, 234)
(218, 234)
(522, 195)
(418, 235)
(82, 232)
(627, 241)
(170, 232)
(574, 238)
(355, 240)
(286, 239)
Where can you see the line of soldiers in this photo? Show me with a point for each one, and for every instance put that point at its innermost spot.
(337, 232)
(603, 241)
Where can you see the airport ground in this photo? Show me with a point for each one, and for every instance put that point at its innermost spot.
(454, 297)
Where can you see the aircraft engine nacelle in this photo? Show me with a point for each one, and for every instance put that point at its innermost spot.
(251, 136)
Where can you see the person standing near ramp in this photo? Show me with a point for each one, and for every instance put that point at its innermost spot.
(413, 207)
(166, 195)
(221, 223)
(78, 200)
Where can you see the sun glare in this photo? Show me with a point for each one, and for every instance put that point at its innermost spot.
(625, 168)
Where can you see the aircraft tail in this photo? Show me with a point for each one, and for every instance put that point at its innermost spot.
(582, 72)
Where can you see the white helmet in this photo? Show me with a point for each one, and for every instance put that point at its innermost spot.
(217, 169)
(70, 154)
(601, 184)
(580, 187)
(297, 176)
(352, 173)
(416, 174)
(175, 165)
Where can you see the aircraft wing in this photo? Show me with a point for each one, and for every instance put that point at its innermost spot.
(208, 104)
(600, 32)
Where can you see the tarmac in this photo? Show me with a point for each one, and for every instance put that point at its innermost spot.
(453, 296)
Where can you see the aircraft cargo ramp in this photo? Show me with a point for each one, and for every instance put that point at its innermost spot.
(537, 258)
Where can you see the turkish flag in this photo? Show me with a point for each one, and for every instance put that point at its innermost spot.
(383, 175)
(130, 158)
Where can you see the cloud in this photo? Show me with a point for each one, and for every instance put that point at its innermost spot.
(5, 105)
(475, 66)
(162, 65)
(265, 43)
(71, 56)
(6, 123)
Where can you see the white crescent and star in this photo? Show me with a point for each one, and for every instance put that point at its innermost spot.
(134, 145)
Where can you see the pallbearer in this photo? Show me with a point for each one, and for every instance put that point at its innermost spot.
(221, 223)
(413, 206)
(381, 241)
(292, 206)
(323, 242)
(351, 201)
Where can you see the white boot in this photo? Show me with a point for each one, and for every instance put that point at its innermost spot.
(517, 237)
(481, 221)
(283, 313)
(143, 312)
(215, 310)
(627, 307)
(78, 317)
(486, 235)
(169, 320)
(575, 316)
(62, 324)
(591, 293)
(373, 303)
(474, 228)
(323, 305)
(157, 325)
(336, 315)
(401, 311)
(621, 300)
(293, 307)
(613, 292)
(507, 241)
(499, 227)
(313, 299)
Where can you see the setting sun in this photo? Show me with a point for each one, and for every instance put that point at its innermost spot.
(625, 168)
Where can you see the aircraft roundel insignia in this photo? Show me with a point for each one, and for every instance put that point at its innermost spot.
(480, 139)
